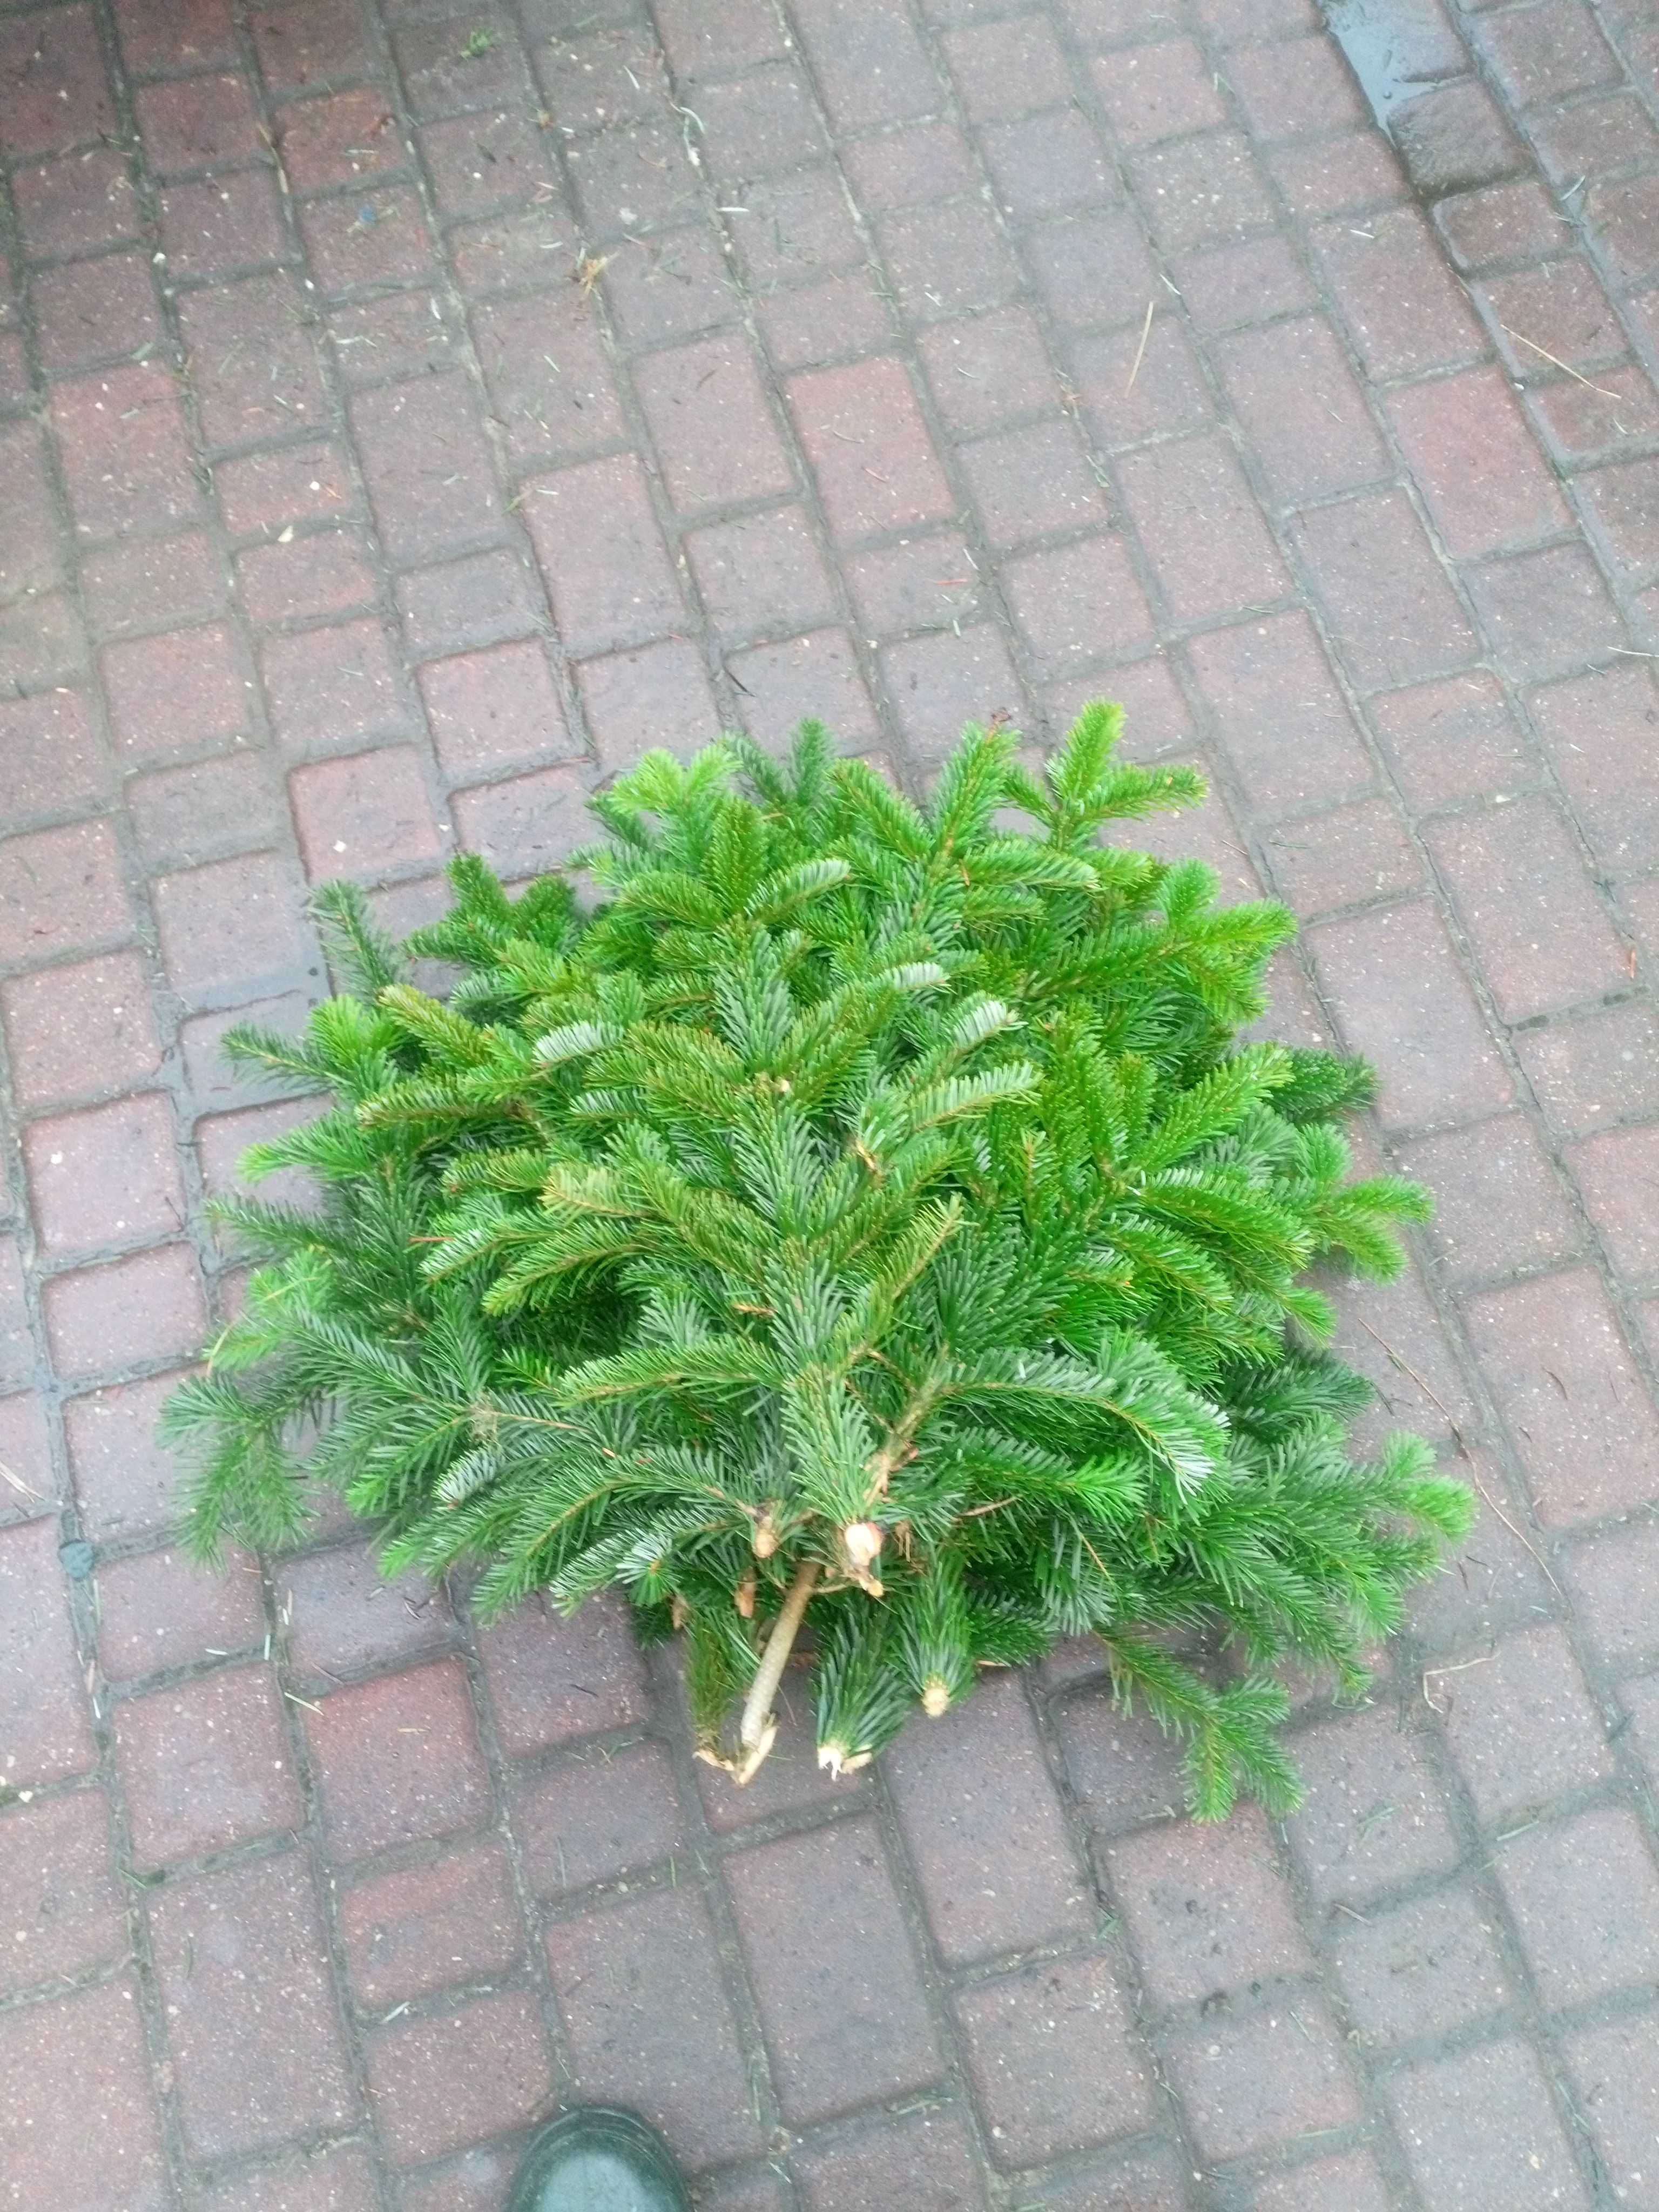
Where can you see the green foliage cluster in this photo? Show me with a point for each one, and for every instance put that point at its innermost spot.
(865, 1214)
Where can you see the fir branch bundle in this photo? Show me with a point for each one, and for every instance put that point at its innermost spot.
(864, 1219)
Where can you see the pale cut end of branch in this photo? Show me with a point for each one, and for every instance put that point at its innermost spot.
(935, 1696)
(743, 1769)
(837, 1760)
(863, 1541)
(750, 1764)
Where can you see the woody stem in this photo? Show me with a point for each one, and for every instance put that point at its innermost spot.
(757, 1705)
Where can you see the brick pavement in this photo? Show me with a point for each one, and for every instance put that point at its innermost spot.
(408, 415)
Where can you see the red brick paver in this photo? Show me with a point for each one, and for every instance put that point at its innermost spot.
(934, 358)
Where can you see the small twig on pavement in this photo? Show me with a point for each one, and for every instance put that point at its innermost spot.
(1534, 348)
(1486, 1658)
(1140, 350)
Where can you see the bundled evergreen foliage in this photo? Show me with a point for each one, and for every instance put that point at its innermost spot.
(864, 1215)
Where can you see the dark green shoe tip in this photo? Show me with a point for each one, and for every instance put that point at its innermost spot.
(595, 2160)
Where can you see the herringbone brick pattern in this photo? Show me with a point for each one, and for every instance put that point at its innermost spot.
(409, 413)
